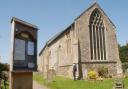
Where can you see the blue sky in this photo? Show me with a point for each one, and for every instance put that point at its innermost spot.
(52, 16)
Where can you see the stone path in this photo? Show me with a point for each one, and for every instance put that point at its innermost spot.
(38, 86)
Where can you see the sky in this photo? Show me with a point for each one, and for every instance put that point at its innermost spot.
(53, 16)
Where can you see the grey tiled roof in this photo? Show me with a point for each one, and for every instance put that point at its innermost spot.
(55, 37)
(59, 34)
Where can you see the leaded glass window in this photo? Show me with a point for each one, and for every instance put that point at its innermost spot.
(97, 36)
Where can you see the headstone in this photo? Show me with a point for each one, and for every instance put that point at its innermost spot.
(119, 84)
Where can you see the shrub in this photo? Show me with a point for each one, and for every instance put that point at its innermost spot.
(125, 67)
(103, 72)
(92, 74)
(4, 68)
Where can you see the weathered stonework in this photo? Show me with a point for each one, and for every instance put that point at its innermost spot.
(73, 46)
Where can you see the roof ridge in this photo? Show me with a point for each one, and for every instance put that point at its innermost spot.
(57, 35)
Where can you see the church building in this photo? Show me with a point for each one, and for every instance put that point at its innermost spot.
(90, 42)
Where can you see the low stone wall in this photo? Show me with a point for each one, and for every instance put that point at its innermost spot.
(86, 67)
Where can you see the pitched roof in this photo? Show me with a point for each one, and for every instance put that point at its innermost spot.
(96, 4)
(59, 34)
(55, 37)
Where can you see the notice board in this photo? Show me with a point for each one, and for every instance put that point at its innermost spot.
(19, 49)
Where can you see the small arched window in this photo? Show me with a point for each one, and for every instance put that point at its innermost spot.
(97, 36)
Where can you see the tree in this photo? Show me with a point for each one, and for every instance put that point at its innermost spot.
(4, 68)
(123, 53)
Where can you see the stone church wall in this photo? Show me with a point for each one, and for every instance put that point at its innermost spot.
(73, 46)
(59, 55)
(112, 61)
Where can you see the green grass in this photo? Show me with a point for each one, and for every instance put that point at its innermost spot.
(126, 82)
(39, 78)
(62, 83)
(2, 86)
(65, 83)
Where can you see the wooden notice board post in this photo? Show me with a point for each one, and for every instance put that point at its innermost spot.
(23, 54)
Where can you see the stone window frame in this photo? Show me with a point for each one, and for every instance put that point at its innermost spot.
(68, 43)
(97, 33)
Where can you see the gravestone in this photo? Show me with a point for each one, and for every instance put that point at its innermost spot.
(119, 84)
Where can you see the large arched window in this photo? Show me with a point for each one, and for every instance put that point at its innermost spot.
(97, 36)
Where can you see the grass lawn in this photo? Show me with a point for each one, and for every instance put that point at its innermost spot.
(126, 83)
(62, 83)
(3, 87)
(65, 83)
(39, 78)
